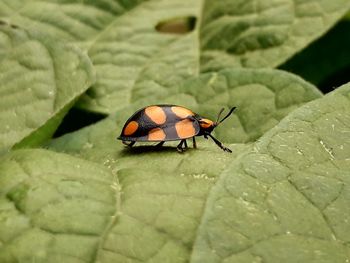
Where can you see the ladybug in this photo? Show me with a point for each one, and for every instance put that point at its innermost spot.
(161, 123)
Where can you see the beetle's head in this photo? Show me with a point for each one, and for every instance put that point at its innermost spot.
(208, 125)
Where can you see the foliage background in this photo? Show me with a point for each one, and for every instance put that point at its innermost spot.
(70, 193)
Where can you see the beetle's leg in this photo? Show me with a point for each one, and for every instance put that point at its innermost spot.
(205, 136)
(160, 144)
(186, 146)
(130, 144)
(218, 143)
(194, 142)
(179, 148)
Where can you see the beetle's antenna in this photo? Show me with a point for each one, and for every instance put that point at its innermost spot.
(219, 114)
(228, 114)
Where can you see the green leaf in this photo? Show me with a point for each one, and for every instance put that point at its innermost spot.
(163, 197)
(122, 41)
(280, 197)
(133, 60)
(164, 192)
(57, 208)
(289, 194)
(40, 81)
(262, 33)
(54, 207)
(287, 200)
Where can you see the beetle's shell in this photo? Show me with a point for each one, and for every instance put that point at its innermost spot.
(160, 123)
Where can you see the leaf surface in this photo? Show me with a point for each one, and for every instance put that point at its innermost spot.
(133, 60)
(40, 80)
(54, 207)
(287, 194)
(262, 33)
(164, 192)
(281, 196)
(59, 208)
(287, 200)
(130, 56)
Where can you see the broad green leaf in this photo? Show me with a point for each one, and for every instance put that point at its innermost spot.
(164, 195)
(130, 56)
(40, 80)
(54, 207)
(262, 33)
(329, 70)
(288, 199)
(134, 61)
(164, 192)
(58, 208)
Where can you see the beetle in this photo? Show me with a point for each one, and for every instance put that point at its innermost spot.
(161, 123)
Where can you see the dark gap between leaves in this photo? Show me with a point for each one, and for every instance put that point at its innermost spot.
(326, 61)
(178, 25)
(336, 80)
(77, 119)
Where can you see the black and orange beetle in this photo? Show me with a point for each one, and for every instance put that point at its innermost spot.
(161, 123)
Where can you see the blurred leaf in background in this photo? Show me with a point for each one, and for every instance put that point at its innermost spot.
(40, 80)
(130, 55)
(262, 33)
(122, 41)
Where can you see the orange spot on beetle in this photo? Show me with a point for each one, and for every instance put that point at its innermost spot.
(205, 123)
(185, 129)
(156, 114)
(156, 134)
(181, 112)
(131, 128)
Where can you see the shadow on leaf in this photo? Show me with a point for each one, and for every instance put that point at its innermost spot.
(143, 149)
